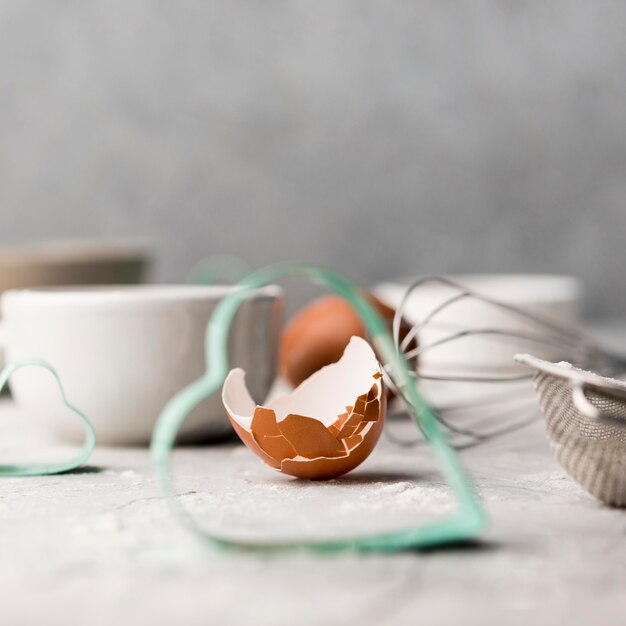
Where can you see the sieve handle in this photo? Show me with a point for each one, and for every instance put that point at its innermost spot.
(586, 408)
(581, 402)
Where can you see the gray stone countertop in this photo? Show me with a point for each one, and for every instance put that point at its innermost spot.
(99, 546)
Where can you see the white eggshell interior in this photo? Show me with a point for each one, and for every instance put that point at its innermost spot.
(323, 396)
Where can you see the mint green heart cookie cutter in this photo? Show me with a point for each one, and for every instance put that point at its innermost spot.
(42, 469)
(465, 523)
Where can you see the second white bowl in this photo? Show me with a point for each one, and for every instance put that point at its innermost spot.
(554, 297)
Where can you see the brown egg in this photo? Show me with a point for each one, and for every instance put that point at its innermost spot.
(326, 427)
(318, 334)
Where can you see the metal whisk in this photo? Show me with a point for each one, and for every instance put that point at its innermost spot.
(501, 401)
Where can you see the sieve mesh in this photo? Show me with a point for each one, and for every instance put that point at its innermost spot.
(592, 450)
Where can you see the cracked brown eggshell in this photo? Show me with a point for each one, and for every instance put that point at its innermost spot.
(326, 427)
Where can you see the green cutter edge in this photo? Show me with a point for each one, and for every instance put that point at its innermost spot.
(40, 469)
(469, 518)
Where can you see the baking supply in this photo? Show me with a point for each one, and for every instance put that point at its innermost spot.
(56, 467)
(328, 426)
(468, 519)
(318, 334)
(449, 306)
(465, 522)
(122, 352)
(585, 416)
(478, 402)
(70, 263)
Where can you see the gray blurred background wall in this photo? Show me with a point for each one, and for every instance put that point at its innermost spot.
(382, 138)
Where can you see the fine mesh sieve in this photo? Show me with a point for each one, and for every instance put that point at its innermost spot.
(585, 416)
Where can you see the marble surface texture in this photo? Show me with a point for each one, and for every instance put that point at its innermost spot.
(99, 546)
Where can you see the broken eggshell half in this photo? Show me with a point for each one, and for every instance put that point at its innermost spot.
(326, 427)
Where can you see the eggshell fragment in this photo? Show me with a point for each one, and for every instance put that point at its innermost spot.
(326, 427)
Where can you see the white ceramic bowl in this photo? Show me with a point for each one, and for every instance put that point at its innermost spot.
(123, 352)
(554, 297)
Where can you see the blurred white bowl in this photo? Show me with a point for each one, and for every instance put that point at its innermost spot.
(555, 297)
(123, 352)
(70, 263)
